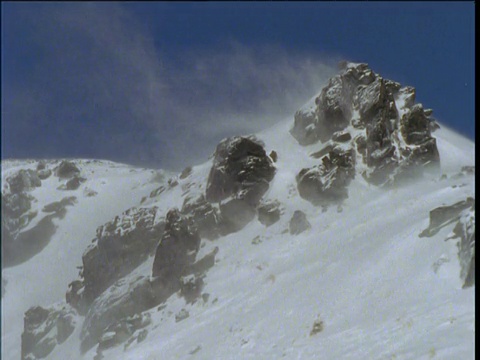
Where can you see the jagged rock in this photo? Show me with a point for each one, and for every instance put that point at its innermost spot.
(465, 231)
(186, 172)
(75, 296)
(298, 223)
(122, 330)
(341, 136)
(66, 169)
(241, 169)
(177, 248)
(321, 153)
(45, 328)
(120, 246)
(182, 315)
(304, 127)
(463, 213)
(23, 180)
(123, 299)
(328, 181)
(41, 165)
(74, 182)
(273, 155)
(445, 215)
(157, 191)
(191, 287)
(358, 90)
(44, 174)
(203, 216)
(269, 212)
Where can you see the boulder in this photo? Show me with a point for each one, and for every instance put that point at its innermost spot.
(269, 212)
(23, 180)
(464, 230)
(177, 248)
(298, 223)
(66, 169)
(241, 169)
(120, 246)
(203, 216)
(304, 127)
(44, 329)
(44, 174)
(327, 182)
(74, 182)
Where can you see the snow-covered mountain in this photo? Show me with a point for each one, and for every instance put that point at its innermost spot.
(344, 233)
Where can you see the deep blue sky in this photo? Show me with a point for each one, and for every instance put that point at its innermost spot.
(159, 84)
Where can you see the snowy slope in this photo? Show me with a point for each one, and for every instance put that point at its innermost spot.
(44, 279)
(379, 290)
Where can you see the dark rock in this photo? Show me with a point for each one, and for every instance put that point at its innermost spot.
(23, 180)
(122, 330)
(182, 315)
(157, 191)
(74, 182)
(203, 216)
(41, 165)
(464, 230)
(415, 125)
(44, 174)
(124, 299)
(341, 136)
(66, 169)
(327, 182)
(298, 223)
(186, 172)
(45, 328)
(321, 153)
(269, 212)
(120, 246)
(304, 127)
(274, 156)
(177, 248)
(241, 169)
(191, 288)
(445, 215)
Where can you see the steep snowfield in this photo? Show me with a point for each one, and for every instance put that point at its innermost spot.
(380, 290)
(44, 279)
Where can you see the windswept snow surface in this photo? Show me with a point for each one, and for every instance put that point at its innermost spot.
(380, 290)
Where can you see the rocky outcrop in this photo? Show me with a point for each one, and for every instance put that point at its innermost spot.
(269, 212)
(465, 231)
(391, 141)
(203, 216)
(23, 180)
(66, 170)
(241, 169)
(298, 223)
(74, 183)
(120, 246)
(462, 214)
(327, 183)
(177, 248)
(46, 328)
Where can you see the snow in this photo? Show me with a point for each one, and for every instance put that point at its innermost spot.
(381, 291)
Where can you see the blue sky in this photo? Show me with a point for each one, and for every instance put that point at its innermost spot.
(159, 84)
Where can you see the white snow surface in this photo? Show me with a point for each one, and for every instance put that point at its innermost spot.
(380, 290)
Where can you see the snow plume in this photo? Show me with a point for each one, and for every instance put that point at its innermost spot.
(99, 75)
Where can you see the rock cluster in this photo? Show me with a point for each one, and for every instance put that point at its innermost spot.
(46, 328)
(394, 143)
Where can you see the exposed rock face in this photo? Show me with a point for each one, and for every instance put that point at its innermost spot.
(74, 182)
(46, 328)
(390, 144)
(44, 174)
(24, 180)
(66, 169)
(120, 246)
(178, 247)
(463, 214)
(203, 216)
(241, 169)
(465, 231)
(269, 212)
(122, 300)
(328, 182)
(299, 223)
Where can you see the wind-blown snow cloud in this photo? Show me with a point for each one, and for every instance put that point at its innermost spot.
(100, 88)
